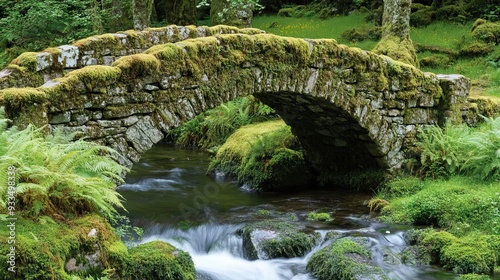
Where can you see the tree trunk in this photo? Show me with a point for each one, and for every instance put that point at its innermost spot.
(142, 13)
(178, 12)
(395, 41)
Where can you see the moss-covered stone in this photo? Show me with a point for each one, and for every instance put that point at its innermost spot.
(271, 239)
(159, 260)
(43, 248)
(344, 259)
(319, 216)
(264, 156)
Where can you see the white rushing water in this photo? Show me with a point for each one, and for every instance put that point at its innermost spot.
(218, 255)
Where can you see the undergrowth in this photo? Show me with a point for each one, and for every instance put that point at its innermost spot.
(210, 130)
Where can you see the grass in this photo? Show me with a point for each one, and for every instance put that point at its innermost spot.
(441, 34)
(314, 28)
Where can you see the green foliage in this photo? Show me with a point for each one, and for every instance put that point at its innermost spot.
(159, 260)
(319, 216)
(55, 176)
(33, 25)
(473, 276)
(265, 156)
(473, 253)
(487, 32)
(124, 229)
(211, 129)
(461, 150)
(452, 204)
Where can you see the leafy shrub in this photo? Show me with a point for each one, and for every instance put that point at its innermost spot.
(55, 176)
(461, 150)
(421, 15)
(211, 129)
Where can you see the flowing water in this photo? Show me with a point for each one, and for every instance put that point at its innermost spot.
(169, 194)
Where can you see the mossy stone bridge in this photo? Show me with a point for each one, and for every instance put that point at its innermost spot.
(351, 109)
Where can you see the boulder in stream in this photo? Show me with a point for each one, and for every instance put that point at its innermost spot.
(271, 239)
(345, 259)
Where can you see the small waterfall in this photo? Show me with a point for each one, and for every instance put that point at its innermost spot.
(218, 255)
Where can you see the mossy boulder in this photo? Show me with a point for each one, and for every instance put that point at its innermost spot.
(344, 259)
(271, 239)
(265, 156)
(46, 249)
(488, 32)
(159, 260)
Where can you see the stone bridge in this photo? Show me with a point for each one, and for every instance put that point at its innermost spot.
(351, 109)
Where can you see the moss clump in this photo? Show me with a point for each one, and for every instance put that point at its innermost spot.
(137, 65)
(395, 48)
(319, 216)
(17, 97)
(44, 246)
(468, 257)
(438, 60)
(265, 156)
(27, 59)
(159, 260)
(90, 76)
(280, 239)
(487, 32)
(344, 259)
(476, 49)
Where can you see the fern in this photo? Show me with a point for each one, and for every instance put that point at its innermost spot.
(57, 176)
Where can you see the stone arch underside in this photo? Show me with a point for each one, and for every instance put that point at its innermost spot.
(351, 109)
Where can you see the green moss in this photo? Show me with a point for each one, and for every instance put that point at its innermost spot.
(97, 42)
(43, 247)
(17, 97)
(473, 276)
(468, 256)
(27, 59)
(159, 260)
(319, 216)
(137, 65)
(92, 76)
(393, 47)
(265, 156)
(488, 32)
(434, 242)
(289, 241)
(476, 49)
(344, 259)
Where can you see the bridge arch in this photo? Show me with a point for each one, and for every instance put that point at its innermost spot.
(351, 109)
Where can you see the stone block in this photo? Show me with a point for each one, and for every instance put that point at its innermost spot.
(43, 61)
(69, 56)
(64, 117)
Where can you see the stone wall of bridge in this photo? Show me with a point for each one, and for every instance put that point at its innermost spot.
(351, 109)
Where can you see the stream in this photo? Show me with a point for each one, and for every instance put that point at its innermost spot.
(169, 194)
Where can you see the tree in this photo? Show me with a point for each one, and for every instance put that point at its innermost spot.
(395, 41)
(142, 10)
(179, 12)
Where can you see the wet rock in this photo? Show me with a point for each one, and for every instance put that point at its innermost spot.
(345, 258)
(271, 239)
